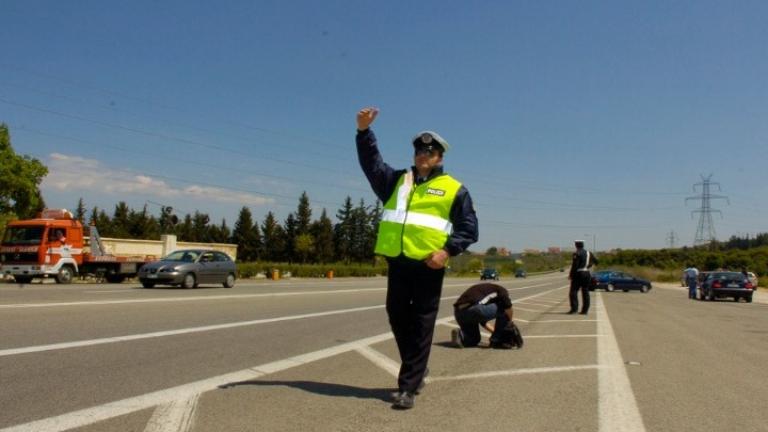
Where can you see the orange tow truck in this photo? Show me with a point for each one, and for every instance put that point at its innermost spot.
(52, 245)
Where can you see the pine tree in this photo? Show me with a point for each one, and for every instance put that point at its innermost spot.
(80, 211)
(303, 215)
(343, 232)
(322, 230)
(243, 236)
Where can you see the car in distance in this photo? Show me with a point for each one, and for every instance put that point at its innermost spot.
(491, 274)
(189, 268)
(726, 284)
(520, 273)
(612, 280)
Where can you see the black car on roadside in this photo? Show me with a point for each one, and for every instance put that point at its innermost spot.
(490, 274)
(520, 273)
(726, 284)
(612, 280)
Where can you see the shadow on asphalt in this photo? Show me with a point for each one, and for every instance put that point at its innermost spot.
(321, 388)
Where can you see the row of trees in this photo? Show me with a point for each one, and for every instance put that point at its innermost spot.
(20, 178)
(704, 258)
(298, 239)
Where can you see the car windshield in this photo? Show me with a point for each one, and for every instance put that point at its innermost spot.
(23, 235)
(183, 256)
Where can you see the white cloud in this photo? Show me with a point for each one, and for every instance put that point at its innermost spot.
(74, 173)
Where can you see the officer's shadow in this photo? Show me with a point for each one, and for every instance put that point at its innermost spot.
(321, 388)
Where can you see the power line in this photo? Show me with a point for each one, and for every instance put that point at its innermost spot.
(705, 230)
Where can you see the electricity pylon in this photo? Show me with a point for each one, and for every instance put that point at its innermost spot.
(705, 231)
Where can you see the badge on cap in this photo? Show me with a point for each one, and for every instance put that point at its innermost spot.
(426, 138)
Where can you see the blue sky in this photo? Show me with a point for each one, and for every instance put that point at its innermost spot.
(567, 119)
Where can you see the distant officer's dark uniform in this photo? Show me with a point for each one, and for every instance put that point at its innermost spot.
(580, 278)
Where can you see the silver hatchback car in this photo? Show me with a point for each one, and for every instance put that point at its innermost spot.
(189, 268)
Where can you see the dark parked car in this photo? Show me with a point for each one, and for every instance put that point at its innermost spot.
(520, 273)
(726, 284)
(489, 274)
(612, 280)
(189, 268)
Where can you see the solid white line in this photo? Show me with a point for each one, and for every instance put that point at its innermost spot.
(512, 372)
(617, 407)
(109, 410)
(380, 360)
(113, 409)
(77, 344)
(182, 299)
(176, 416)
(515, 308)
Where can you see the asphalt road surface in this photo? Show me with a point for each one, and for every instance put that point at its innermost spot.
(317, 355)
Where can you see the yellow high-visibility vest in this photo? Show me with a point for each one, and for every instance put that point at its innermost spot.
(416, 218)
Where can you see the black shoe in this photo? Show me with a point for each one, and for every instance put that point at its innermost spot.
(500, 345)
(571, 312)
(404, 401)
(583, 313)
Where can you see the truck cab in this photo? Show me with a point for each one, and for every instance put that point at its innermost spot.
(49, 246)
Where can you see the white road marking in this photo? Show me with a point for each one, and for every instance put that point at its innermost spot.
(515, 308)
(512, 372)
(617, 407)
(126, 338)
(380, 360)
(110, 410)
(176, 416)
(182, 299)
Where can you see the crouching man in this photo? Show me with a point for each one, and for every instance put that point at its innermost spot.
(478, 305)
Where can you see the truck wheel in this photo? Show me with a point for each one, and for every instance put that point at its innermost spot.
(229, 282)
(23, 279)
(147, 284)
(189, 281)
(65, 275)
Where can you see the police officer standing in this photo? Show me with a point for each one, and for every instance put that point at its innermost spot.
(427, 217)
(580, 277)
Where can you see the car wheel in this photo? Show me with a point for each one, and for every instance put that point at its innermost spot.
(644, 288)
(147, 284)
(701, 295)
(65, 275)
(610, 288)
(748, 299)
(736, 299)
(711, 296)
(229, 282)
(189, 281)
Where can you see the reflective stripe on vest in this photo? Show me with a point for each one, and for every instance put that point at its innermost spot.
(586, 264)
(415, 219)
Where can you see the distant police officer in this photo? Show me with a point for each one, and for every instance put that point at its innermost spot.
(580, 277)
(427, 217)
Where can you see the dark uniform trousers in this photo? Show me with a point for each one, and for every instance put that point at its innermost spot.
(413, 299)
(580, 281)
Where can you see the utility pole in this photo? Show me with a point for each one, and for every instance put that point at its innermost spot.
(672, 238)
(705, 231)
